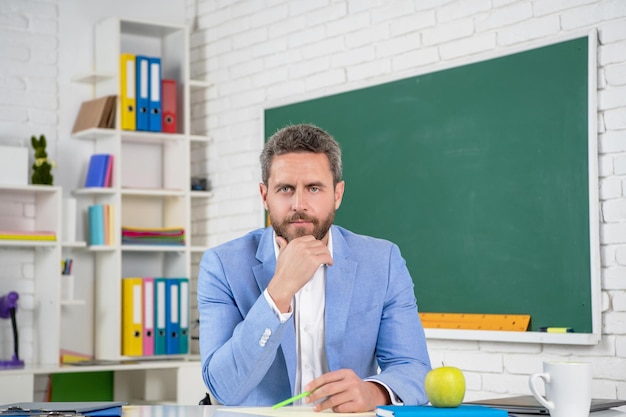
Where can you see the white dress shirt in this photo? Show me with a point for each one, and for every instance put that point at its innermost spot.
(308, 308)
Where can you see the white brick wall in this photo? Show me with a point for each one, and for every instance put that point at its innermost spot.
(28, 71)
(33, 71)
(28, 106)
(281, 51)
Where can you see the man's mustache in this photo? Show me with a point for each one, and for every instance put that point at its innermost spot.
(300, 216)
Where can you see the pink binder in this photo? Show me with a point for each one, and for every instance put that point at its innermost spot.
(148, 314)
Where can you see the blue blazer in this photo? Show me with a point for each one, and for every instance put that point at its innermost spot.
(371, 321)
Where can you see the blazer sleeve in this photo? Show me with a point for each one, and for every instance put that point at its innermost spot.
(401, 348)
(236, 352)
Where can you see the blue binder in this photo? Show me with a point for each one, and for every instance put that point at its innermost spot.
(183, 343)
(160, 316)
(154, 95)
(172, 322)
(142, 83)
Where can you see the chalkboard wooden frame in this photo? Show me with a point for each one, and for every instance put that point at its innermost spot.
(272, 120)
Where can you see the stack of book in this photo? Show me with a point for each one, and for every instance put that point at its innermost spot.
(101, 225)
(153, 236)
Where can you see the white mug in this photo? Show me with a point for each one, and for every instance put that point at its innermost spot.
(568, 388)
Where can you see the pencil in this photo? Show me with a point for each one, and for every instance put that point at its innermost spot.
(292, 399)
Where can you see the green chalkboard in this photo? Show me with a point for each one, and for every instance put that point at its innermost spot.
(480, 174)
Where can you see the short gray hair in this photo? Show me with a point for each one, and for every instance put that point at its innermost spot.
(301, 138)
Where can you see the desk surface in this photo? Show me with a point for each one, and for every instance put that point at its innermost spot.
(221, 411)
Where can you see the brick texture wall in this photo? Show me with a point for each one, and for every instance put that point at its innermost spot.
(28, 106)
(28, 70)
(262, 53)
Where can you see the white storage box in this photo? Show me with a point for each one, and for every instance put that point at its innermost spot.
(13, 165)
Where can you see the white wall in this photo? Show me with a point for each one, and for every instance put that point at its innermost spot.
(28, 106)
(43, 44)
(263, 53)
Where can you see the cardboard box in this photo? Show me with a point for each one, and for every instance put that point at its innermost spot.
(13, 165)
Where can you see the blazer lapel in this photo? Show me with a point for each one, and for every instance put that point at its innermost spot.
(263, 274)
(264, 271)
(339, 289)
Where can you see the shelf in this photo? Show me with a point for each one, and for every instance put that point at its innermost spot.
(153, 248)
(152, 192)
(29, 189)
(77, 244)
(128, 135)
(199, 84)
(95, 134)
(148, 29)
(150, 137)
(102, 248)
(122, 365)
(506, 336)
(93, 191)
(7, 243)
(91, 77)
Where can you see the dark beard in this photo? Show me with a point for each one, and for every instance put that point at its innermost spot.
(319, 229)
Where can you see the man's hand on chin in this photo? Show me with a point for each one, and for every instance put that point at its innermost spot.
(344, 392)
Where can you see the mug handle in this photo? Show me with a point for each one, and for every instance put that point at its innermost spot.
(532, 381)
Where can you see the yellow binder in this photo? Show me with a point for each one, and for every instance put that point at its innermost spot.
(127, 91)
(132, 319)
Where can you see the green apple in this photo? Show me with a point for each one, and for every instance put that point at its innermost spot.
(445, 386)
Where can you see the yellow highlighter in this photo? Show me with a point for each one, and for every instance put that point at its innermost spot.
(292, 399)
(556, 329)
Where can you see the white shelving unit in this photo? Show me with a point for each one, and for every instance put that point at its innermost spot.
(43, 205)
(151, 174)
(150, 188)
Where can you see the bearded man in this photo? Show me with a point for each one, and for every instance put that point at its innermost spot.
(306, 305)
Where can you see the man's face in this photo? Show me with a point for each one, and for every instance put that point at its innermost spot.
(300, 196)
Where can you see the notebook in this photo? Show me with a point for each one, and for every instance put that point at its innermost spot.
(527, 404)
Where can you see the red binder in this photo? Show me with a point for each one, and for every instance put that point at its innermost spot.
(168, 105)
